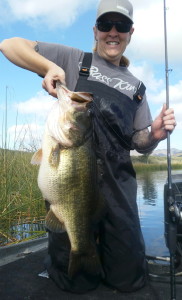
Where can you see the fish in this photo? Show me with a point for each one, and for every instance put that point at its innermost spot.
(67, 177)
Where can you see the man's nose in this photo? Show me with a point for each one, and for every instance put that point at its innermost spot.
(113, 31)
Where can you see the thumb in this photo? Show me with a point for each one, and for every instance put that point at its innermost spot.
(162, 111)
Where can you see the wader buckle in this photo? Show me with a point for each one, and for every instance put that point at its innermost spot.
(139, 92)
(84, 71)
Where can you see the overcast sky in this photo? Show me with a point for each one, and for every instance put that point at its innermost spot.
(70, 22)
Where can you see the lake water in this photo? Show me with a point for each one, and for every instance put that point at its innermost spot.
(151, 211)
(150, 200)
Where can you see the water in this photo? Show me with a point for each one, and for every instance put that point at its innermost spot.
(24, 231)
(151, 211)
(150, 200)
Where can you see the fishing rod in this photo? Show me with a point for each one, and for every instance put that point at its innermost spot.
(171, 209)
(172, 198)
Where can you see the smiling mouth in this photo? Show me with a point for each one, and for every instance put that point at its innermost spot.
(112, 43)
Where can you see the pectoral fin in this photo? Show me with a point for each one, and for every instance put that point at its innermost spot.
(54, 157)
(37, 158)
(53, 223)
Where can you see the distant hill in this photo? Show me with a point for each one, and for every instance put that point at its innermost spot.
(161, 152)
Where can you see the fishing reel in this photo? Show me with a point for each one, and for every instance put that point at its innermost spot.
(173, 214)
(173, 200)
(175, 210)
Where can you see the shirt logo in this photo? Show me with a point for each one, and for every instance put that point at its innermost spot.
(114, 82)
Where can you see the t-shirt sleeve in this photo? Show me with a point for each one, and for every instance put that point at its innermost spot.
(66, 57)
(143, 118)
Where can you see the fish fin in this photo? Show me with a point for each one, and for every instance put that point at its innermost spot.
(53, 223)
(85, 261)
(54, 156)
(37, 158)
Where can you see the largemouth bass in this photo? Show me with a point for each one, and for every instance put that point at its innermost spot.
(67, 177)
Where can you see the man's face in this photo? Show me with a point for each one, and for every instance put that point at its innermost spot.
(112, 44)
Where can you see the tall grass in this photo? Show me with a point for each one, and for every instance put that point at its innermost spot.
(20, 199)
(155, 163)
(22, 211)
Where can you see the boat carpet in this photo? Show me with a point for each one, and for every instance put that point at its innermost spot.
(19, 280)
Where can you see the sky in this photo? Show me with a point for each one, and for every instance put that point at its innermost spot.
(24, 104)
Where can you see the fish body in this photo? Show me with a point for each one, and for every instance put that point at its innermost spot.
(67, 177)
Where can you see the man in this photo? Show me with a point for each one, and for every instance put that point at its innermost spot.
(121, 118)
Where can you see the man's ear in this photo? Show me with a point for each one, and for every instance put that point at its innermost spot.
(95, 32)
(131, 32)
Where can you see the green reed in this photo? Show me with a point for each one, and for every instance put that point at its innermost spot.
(20, 198)
(155, 163)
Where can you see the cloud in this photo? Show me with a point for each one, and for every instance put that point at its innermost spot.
(32, 114)
(156, 90)
(145, 73)
(25, 136)
(176, 92)
(175, 100)
(148, 38)
(178, 114)
(175, 95)
(38, 105)
(146, 48)
(55, 13)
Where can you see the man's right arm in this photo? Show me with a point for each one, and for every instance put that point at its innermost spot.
(22, 53)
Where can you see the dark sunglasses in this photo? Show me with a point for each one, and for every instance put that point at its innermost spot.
(106, 26)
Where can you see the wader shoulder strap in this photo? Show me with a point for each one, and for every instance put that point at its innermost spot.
(85, 71)
(138, 96)
(86, 64)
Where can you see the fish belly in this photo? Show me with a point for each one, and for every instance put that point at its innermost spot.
(71, 190)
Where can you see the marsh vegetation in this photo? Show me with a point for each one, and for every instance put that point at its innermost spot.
(22, 210)
(21, 205)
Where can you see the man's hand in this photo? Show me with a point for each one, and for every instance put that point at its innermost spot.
(54, 74)
(164, 122)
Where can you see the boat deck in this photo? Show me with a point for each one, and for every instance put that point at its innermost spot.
(19, 279)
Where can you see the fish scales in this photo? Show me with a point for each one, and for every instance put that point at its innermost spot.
(78, 193)
(67, 178)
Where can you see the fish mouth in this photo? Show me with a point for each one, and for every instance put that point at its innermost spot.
(79, 97)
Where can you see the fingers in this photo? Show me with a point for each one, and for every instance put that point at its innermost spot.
(49, 81)
(49, 86)
(162, 113)
(169, 121)
(168, 118)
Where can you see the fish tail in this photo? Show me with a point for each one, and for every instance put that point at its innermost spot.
(84, 261)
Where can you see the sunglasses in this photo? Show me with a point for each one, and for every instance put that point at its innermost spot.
(106, 26)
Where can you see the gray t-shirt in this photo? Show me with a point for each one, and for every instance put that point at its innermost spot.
(120, 78)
